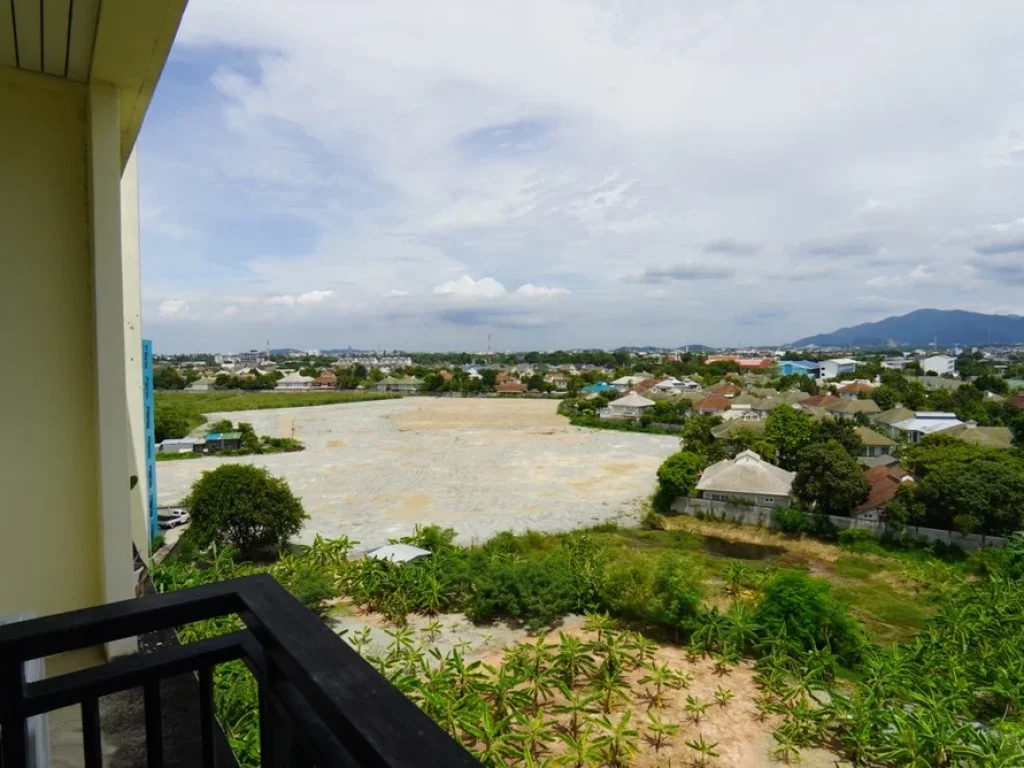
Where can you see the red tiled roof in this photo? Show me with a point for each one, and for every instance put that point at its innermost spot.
(1017, 400)
(757, 363)
(510, 386)
(857, 386)
(712, 403)
(820, 401)
(646, 384)
(885, 482)
(725, 387)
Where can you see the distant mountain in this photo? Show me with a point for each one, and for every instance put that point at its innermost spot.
(923, 326)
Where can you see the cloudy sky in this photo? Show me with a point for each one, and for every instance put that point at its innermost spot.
(563, 173)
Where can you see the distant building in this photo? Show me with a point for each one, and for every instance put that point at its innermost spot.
(295, 382)
(204, 384)
(832, 369)
(600, 388)
(799, 368)
(631, 406)
(510, 388)
(885, 484)
(250, 359)
(924, 423)
(939, 365)
(897, 363)
(854, 389)
(222, 441)
(326, 380)
(407, 385)
(875, 443)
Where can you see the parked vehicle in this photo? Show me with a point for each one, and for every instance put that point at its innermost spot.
(171, 518)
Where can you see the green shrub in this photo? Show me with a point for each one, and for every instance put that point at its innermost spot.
(224, 425)
(677, 476)
(170, 424)
(850, 538)
(802, 610)
(311, 586)
(789, 520)
(431, 537)
(534, 592)
(243, 505)
(821, 527)
(653, 521)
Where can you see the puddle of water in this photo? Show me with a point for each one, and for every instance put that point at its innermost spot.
(740, 550)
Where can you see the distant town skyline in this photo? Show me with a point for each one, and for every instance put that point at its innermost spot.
(579, 174)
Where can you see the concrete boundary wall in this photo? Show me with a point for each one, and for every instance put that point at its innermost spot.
(762, 516)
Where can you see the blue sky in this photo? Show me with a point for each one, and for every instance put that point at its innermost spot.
(323, 173)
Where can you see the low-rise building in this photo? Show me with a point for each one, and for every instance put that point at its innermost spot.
(406, 385)
(747, 477)
(831, 369)
(988, 437)
(625, 383)
(855, 389)
(897, 363)
(630, 406)
(799, 368)
(924, 423)
(215, 442)
(885, 484)
(295, 382)
(848, 409)
(326, 380)
(875, 443)
(510, 388)
(204, 384)
(725, 389)
(940, 365)
(714, 405)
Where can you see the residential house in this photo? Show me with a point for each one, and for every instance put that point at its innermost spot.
(885, 484)
(924, 423)
(714, 405)
(1017, 401)
(600, 388)
(725, 389)
(940, 365)
(989, 437)
(799, 368)
(875, 443)
(295, 382)
(848, 409)
(326, 380)
(179, 445)
(215, 442)
(510, 388)
(897, 363)
(558, 380)
(646, 385)
(625, 383)
(407, 385)
(630, 406)
(204, 384)
(747, 477)
(833, 369)
(855, 389)
(822, 400)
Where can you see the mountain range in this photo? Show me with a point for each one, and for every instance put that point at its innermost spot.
(945, 327)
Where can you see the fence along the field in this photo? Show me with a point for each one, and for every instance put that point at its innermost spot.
(763, 516)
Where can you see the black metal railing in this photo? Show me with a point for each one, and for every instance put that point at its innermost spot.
(320, 703)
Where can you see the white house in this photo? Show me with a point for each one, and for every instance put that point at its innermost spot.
(924, 423)
(939, 365)
(629, 407)
(831, 369)
(295, 382)
(409, 384)
(896, 363)
(747, 477)
(205, 384)
(623, 383)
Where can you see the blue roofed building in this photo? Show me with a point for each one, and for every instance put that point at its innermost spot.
(600, 388)
(799, 368)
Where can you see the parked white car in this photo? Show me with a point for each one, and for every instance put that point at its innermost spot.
(171, 518)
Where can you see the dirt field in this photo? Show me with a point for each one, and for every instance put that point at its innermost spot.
(374, 470)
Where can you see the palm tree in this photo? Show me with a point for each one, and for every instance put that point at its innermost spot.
(611, 688)
(705, 750)
(578, 706)
(695, 708)
(723, 696)
(619, 743)
(658, 731)
(572, 659)
(581, 750)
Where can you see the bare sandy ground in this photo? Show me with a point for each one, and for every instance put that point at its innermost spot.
(374, 470)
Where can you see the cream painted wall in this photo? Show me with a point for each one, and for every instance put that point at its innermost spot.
(133, 350)
(50, 558)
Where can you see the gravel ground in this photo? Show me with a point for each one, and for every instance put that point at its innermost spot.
(374, 470)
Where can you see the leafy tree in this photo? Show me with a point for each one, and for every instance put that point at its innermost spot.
(803, 610)
(433, 382)
(790, 431)
(840, 430)
(884, 396)
(537, 383)
(169, 424)
(165, 377)
(829, 480)
(696, 437)
(678, 476)
(243, 505)
(985, 494)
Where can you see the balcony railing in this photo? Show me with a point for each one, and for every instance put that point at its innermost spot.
(320, 703)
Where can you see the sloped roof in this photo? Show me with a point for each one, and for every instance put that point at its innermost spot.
(989, 437)
(857, 386)
(747, 473)
(854, 406)
(1017, 400)
(820, 401)
(927, 423)
(870, 437)
(724, 387)
(893, 416)
(712, 403)
(885, 483)
(632, 400)
(729, 428)
(295, 378)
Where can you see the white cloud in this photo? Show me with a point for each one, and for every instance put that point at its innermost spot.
(174, 309)
(230, 311)
(485, 287)
(395, 293)
(286, 300)
(314, 297)
(540, 291)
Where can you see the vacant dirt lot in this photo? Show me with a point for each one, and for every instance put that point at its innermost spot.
(374, 470)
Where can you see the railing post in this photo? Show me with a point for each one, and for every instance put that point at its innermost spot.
(13, 725)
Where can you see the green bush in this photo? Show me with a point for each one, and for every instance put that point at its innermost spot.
(170, 424)
(677, 476)
(789, 520)
(665, 591)
(311, 586)
(802, 610)
(534, 592)
(851, 538)
(243, 505)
